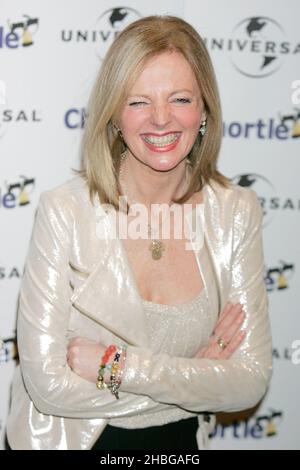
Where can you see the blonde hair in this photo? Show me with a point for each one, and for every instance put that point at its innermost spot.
(102, 145)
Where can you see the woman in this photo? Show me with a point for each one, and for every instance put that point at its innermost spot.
(170, 329)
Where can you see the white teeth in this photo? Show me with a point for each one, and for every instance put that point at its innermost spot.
(161, 141)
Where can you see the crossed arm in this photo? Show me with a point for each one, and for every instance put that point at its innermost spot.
(60, 376)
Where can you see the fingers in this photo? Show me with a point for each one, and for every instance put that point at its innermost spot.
(227, 335)
(214, 351)
(232, 315)
(233, 327)
(229, 330)
(73, 351)
(226, 309)
(233, 345)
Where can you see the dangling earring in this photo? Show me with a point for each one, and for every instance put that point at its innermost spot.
(202, 129)
(118, 131)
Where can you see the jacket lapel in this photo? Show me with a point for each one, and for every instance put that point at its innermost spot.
(199, 236)
(109, 295)
(218, 238)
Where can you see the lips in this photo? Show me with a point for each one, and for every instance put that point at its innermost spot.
(161, 142)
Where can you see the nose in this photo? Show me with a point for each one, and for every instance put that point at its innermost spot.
(160, 116)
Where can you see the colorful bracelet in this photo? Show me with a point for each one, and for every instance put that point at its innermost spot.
(117, 371)
(103, 365)
(122, 364)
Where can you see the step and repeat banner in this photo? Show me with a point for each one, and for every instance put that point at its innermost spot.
(50, 52)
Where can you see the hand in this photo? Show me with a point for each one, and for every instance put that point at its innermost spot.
(227, 332)
(84, 356)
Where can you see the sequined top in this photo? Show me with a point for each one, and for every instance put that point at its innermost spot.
(177, 330)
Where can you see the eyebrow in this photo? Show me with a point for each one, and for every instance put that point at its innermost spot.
(173, 93)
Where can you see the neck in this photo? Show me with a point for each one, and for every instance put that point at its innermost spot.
(142, 184)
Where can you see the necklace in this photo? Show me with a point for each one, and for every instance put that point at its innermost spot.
(156, 246)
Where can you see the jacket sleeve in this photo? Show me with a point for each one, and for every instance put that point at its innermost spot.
(218, 385)
(43, 317)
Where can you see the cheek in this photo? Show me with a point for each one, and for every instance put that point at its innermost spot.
(131, 120)
(190, 120)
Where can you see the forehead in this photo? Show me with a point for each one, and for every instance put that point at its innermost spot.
(166, 69)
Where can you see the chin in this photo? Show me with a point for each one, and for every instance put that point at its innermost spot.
(164, 163)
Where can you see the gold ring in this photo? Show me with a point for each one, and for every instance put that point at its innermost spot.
(221, 343)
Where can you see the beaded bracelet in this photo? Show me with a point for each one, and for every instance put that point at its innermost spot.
(103, 364)
(122, 364)
(117, 371)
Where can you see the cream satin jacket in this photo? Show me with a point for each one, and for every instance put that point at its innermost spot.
(77, 282)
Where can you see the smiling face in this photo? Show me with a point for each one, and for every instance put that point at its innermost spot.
(161, 117)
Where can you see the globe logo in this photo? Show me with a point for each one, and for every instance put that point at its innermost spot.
(258, 46)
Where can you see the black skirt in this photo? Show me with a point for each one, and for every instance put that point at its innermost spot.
(179, 435)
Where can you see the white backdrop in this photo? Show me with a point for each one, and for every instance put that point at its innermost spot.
(50, 52)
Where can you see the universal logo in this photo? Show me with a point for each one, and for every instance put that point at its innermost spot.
(17, 193)
(108, 26)
(18, 32)
(9, 273)
(257, 46)
(258, 427)
(290, 354)
(278, 277)
(266, 193)
(10, 117)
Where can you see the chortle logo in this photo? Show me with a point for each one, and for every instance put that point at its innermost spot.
(264, 190)
(75, 118)
(285, 126)
(17, 193)
(294, 122)
(278, 277)
(257, 427)
(8, 350)
(19, 33)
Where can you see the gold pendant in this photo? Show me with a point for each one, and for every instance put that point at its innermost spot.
(156, 247)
